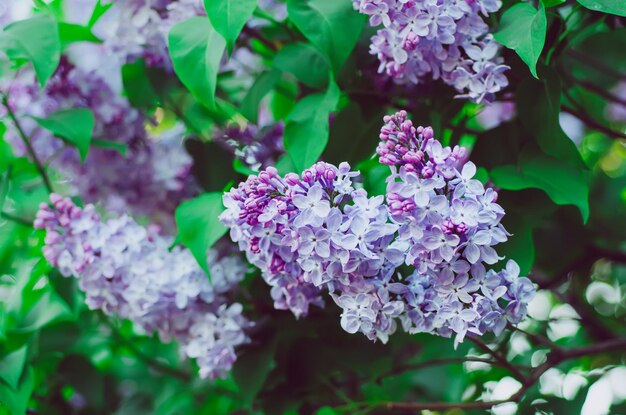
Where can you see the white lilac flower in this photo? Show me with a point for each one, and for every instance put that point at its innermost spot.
(445, 39)
(317, 232)
(129, 272)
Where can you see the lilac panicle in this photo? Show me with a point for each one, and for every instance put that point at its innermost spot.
(129, 272)
(413, 258)
(161, 173)
(134, 29)
(445, 39)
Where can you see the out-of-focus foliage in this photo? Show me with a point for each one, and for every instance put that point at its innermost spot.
(251, 84)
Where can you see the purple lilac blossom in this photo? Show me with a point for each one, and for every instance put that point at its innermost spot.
(445, 39)
(160, 176)
(13, 10)
(616, 111)
(133, 29)
(495, 114)
(128, 271)
(414, 257)
(256, 147)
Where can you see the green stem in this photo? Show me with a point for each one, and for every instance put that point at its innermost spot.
(27, 143)
(151, 362)
(16, 219)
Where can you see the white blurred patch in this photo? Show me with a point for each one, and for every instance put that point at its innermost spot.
(500, 390)
(565, 322)
(477, 366)
(78, 11)
(540, 306)
(92, 57)
(538, 357)
(572, 383)
(609, 390)
(518, 345)
(572, 126)
(562, 385)
(598, 292)
(551, 381)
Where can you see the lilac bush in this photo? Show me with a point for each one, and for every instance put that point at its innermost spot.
(414, 257)
(443, 39)
(128, 271)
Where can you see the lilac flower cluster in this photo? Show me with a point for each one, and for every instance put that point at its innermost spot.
(415, 256)
(134, 29)
(255, 147)
(160, 177)
(129, 272)
(445, 39)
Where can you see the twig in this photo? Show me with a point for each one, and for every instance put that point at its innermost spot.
(16, 219)
(590, 322)
(593, 123)
(611, 255)
(29, 147)
(499, 358)
(535, 338)
(600, 91)
(153, 363)
(437, 362)
(599, 66)
(554, 358)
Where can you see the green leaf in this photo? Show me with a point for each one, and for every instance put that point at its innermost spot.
(539, 104)
(70, 33)
(263, 84)
(523, 29)
(98, 10)
(285, 165)
(196, 49)
(551, 3)
(229, 17)
(306, 131)
(47, 308)
(331, 25)
(305, 63)
(617, 7)
(363, 130)
(564, 184)
(137, 85)
(253, 367)
(12, 366)
(241, 168)
(37, 40)
(74, 125)
(520, 246)
(110, 144)
(16, 402)
(326, 410)
(199, 226)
